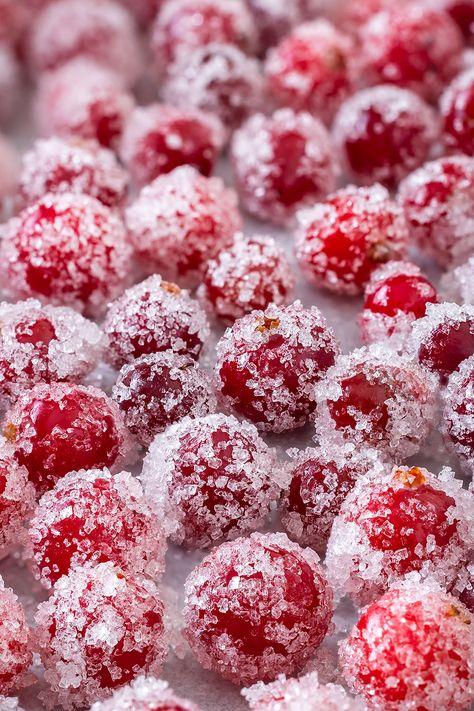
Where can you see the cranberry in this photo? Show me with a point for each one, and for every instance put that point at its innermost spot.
(457, 111)
(15, 642)
(461, 11)
(17, 498)
(458, 413)
(145, 694)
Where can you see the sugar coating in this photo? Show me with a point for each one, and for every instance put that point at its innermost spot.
(99, 630)
(395, 296)
(464, 586)
(250, 274)
(455, 107)
(180, 221)
(218, 78)
(383, 133)
(57, 428)
(257, 607)
(94, 516)
(341, 241)
(377, 398)
(443, 338)
(269, 361)
(152, 316)
(303, 694)
(158, 389)
(9, 82)
(43, 343)
(101, 31)
(61, 165)
(413, 46)
(15, 642)
(412, 649)
(458, 414)
(354, 14)
(145, 694)
(17, 499)
(159, 137)
(68, 250)
(10, 704)
(82, 98)
(405, 519)
(211, 479)
(312, 69)
(268, 186)
(458, 283)
(438, 200)
(320, 479)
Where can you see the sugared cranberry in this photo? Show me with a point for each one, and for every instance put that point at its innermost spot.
(15, 642)
(154, 316)
(104, 624)
(457, 111)
(180, 221)
(17, 499)
(444, 338)
(281, 163)
(341, 241)
(458, 414)
(354, 14)
(458, 283)
(396, 296)
(145, 694)
(368, 394)
(269, 362)
(231, 602)
(412, 649)
(92, 516)
(395, 523)
(312, 69)
(251, 274)
(59, 428)
(159, 138)
(211, 479)
(413, 46)
(156, 390)
(383, 133)
(438, 200)
(68, 249)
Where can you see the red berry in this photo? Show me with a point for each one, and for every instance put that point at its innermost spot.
(461, 11)
(159, 138)
(457, 111)
(282, 163)
(15, 642)
(145, 694)
(59, 428)
(251, 274)
(232, 597)
(156, 390)
(269, 362)
(341, 241)
(412, 649)
(356, 13)
(383, 133)
(458, 414)
(99, 630)
(17, 499)
(68, 249)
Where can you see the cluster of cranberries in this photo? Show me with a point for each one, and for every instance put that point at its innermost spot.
(345, 131)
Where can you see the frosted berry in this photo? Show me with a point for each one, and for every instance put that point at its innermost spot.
(341, 241)
(58, 428)
(211, 479)
(458, 413)
(461, 11)
(82, 99)
(10, 703)
(377, 399)
(67, 249)
(312, 69)
(281, 163)
(68, 29)
(458, 283)
(159, 138)
(251, 274)
(218, 78)
(321, 478)
(413, 46)
(457, 111)
(151, 317)
(9, 82)
(145, 694)
(396, 295)
(247, 599)
(99, 630)
(59, 165)
(444, 338)
(17, 499)
(156, 390)
(438, 200)
(15, 642)
(93, 516)
(354, 14)
(41, 344)
(180, 221)
(412, 649)
(395, 523)
(269, 362)
(383, 133)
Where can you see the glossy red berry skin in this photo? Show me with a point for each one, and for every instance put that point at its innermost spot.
(457, 113)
